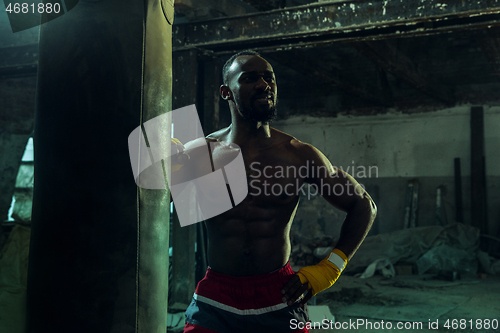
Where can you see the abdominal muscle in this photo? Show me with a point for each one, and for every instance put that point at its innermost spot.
(254, 237)
(250, 239)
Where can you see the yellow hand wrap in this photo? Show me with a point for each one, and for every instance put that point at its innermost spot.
(324, 274)
(176, 167)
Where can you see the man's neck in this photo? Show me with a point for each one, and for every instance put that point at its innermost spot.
(244, 132)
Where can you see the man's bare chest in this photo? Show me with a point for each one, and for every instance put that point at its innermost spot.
(273, 176)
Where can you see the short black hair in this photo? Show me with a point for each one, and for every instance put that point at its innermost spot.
(227, 65)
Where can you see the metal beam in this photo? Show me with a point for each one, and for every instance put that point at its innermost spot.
(385, 55)
(266, 5)
(206, 9)
(326, 22)
(478, 177)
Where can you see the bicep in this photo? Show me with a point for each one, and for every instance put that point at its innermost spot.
(335, 185)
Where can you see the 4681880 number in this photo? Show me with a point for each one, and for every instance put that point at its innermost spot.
(26, 8)
(471, 324)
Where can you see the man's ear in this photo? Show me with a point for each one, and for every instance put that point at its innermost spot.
(226, 93)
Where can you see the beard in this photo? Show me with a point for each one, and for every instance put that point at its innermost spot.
(251, 113)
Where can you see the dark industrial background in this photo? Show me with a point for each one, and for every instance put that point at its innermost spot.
(404, 95)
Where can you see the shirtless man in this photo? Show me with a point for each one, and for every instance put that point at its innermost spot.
(249, 286)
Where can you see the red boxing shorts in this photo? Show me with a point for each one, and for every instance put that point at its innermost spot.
(228, 304)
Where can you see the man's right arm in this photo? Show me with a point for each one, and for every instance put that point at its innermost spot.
(191, 161)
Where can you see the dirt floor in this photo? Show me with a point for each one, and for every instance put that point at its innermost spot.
(410, 303)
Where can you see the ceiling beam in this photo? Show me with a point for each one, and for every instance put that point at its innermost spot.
(206, 9)
(266, 5)
(326, 22)
(314, 24)
(390, 59)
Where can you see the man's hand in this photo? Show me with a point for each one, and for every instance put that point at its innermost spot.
(293, 290)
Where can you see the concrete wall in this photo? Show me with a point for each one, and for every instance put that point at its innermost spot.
(398, 148)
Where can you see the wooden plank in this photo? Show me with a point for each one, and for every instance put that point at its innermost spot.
(440, 209)
(207, 9)
(459, 217)
(414, 205)
(485, 194)
(327, 22)
(266, 5)
(408, 201)
(478, 200)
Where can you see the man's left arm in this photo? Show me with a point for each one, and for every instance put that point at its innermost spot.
(345, 193)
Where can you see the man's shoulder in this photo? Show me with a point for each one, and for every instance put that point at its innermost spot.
(304, 153)
(217, 135)
(293, 143)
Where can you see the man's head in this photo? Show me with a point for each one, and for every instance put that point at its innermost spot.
(250, 84)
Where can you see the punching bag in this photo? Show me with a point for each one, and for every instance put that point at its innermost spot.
(98, 257)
